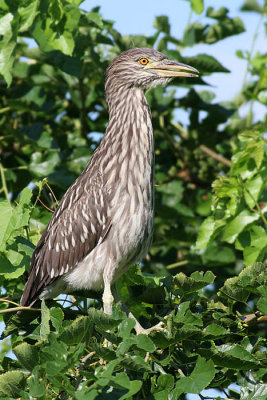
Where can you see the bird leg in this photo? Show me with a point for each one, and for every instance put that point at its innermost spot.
(138, 327)
(107, 298)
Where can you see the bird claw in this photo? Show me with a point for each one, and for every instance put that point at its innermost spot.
(158, 328)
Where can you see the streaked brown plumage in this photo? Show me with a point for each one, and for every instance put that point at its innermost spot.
(104, 222)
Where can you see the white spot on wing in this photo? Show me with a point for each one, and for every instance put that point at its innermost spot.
(85, 229)
(98, 216)
(93, 228)
(73, 241)
(85, 216)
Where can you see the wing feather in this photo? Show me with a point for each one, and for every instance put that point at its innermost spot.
(74, 230)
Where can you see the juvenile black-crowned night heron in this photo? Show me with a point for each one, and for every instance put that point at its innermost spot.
(104, 222)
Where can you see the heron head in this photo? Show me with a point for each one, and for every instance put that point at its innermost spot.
(145, 68)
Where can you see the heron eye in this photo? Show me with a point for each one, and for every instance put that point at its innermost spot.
(143, 61)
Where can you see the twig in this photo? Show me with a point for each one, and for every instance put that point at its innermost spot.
(177, 264)
(254, 318)
(89, 355)
(49, 209)
(53, 194)
(3, 110)
(16, 309)
(182, 132)
(6, 300)
(214, 155)
(3, 178)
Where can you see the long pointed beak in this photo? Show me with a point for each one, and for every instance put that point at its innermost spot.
(171, 69)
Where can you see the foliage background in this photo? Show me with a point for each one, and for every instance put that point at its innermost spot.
(205, 272)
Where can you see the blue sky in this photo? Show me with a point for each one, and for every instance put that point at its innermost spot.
(136, 17)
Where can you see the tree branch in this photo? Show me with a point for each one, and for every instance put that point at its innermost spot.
(214, 155)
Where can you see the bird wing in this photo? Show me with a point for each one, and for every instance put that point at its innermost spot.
(79, 224)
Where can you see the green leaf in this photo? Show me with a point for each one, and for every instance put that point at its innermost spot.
(102, 320)
(249, 280)
(196, 281)
(205, 63)
(27, 355)
(36, 386)
(217, 254)
(133, 387)
(9, 29)
(45, 318)
(253, 276)
(56, 315)
(200, 378)
(5, 216)
(205, 233)
(172, 194)
(126, 327)
(162, 24)
(215, 330)
(77, 331)
(254, 187)
(11, 383)
(223, 29)
(13, 219)
(186, 317)
(135, 363)
(254, 392)
(53, 36)
(145, 343)
(25, 196)
(7, 269)
(27, 13)
(219, 14)
(231, 356)
(237, 351)
(231, 291)
(197, 6)
(238, 224)
(164, 385)
(252, 5)
(256, 249)
(95, 18)
(262, 305)
(44, 164)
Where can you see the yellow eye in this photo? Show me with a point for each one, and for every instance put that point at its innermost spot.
(143, 61)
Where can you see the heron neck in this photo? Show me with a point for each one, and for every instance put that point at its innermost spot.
(126, 152)
(130, 124)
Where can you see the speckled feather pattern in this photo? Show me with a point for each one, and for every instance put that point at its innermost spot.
(104, 222)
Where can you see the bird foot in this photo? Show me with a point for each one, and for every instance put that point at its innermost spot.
(139, 329)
